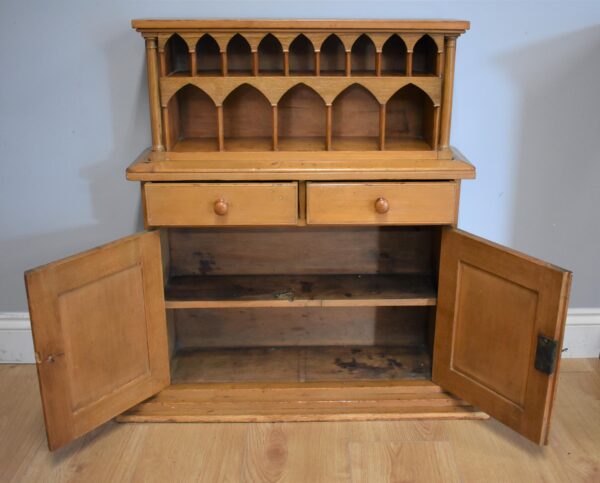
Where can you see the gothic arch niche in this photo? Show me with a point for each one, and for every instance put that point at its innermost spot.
(333, 56)
(393, 56)
(270, 56)
(192, 124)
(208, 56)
(302, 56)
(409, 115)
(425, 56)
(239, 56)
(177, 56)
(247, 120)
(363, 56)
(355, 120)
(301, 120)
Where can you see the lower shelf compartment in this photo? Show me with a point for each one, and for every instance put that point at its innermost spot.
(295, 402)
(301, 364)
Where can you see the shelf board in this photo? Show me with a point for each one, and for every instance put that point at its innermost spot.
(299, 290)
(188, 164)
(301, 364)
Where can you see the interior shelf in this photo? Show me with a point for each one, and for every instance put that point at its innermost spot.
(301, 364)
(300, 290)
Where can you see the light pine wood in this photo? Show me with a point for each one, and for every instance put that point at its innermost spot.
(381, 203)
(479, 450)
(285, 165)
(98, 322)
(308, 401)
(197, 204)
(493, 304)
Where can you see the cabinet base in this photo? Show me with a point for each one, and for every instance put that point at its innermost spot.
(295, 402)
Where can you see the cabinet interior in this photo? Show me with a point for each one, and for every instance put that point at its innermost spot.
(378, 111)
(358, 308)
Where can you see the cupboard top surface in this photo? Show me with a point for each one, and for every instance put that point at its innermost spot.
(447, 26)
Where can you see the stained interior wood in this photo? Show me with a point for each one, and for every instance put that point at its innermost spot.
(355, 115)
(302, 56)
(301, 116)
(357, 308)
(301, 364)
(330, 290)
(333, 56)
(194, 116)
(409, 116)
(393, 56)
(247, 114)
(239, 56)
(300, 326)
(177, 56)
(208, 56)
(363, 56)
(270, 56)
(424, 56)
(302, 250)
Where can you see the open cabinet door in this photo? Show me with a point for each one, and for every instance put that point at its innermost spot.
(499, 328)
(99, 332)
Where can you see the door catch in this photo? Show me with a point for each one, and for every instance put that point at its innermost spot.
(546, 355)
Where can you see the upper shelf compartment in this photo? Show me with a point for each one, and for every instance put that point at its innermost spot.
(267, 85)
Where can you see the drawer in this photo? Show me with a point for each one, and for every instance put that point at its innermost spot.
(382, 203)
(217, 204)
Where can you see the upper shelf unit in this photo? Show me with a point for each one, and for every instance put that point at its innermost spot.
(304, 85)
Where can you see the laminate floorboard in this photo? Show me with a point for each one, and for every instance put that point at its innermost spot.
(376, 451)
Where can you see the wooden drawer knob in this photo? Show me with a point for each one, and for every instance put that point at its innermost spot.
(381, 205)
(221, 207)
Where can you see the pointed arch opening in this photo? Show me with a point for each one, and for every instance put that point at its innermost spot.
(301, 120)
(393, 56)
(192, 121)
(208, 56)
(177, 56)
(247, 120)
(355, 120)
(333, 56)
(239, 56)
(302, 56)
(425, 56)
(410, 120)
(363, 56)
(270, 56)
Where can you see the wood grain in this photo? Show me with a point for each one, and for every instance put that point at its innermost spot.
(355, 203)
(193, 204)
(493, 304)
(93, 364)
(482, 450)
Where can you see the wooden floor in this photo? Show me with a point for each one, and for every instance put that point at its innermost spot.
(428, 451)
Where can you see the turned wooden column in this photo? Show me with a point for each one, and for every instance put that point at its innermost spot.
(446, 114)
(154, 94)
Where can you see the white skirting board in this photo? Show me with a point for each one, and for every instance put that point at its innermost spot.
(582, 336)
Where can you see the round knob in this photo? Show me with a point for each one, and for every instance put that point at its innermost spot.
(381, 205)
(221, 207)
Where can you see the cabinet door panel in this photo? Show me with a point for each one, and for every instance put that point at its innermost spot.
(493, 304)
(99, 330)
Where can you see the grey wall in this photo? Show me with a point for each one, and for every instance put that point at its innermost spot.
(74, 114)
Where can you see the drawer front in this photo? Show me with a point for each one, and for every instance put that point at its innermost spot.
(382, 203)
(218, 204)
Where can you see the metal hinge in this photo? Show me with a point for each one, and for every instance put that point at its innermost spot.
(546, 355)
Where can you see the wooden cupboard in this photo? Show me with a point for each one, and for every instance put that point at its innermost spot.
(301, 260)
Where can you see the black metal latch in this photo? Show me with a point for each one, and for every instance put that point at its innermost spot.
(546, 355)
